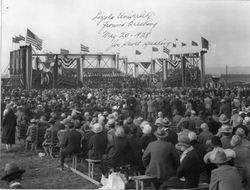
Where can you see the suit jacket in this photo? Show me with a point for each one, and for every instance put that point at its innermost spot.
(225, 178)
(160, 159)
(117, 152)
(73, 142)
(190, 168)
(172, 136)
(97, 145)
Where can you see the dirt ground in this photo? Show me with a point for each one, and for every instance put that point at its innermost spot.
(41, 173)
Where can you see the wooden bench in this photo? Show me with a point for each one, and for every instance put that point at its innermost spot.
(202, 186)
(139, 180)
(91, 164)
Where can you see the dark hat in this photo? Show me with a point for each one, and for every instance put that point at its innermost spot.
(216, 142)
(183, 140)
(220, 157)
(160, 133)
(11, 169)
(129, 120)
(223, 119)
(165, 122)
(52, 120)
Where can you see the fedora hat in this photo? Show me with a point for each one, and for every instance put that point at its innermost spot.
(219, 157)
(183, 140)
(52, 121)
(161, 133)
(223, 119)
(11, 169)
(97, 128)
(165, 122)
(225, 129)
(33, 121)
(105, 113)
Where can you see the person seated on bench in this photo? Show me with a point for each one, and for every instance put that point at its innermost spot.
(97, 143)
(47, 136)
(225, 177)
(160, 158)
(188, 173)
(116, 151)
(72, 144)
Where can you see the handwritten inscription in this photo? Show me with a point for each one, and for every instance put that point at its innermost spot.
(127, 29)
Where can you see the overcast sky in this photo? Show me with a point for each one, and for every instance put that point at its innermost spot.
(67, 23)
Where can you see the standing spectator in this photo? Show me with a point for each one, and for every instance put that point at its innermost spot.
(205, 135)
(225, 108)
(172, 136)
(241, 146)
(9, 129)
(147, 137)
(208, 103)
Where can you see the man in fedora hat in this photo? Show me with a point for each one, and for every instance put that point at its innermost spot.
(188, 173)
(13, 175)
(160, 158)
(225, 177)
(226, 135)
(172, 136)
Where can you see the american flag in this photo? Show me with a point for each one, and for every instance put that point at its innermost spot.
(32, 39)
(166, 50)
(84, 48)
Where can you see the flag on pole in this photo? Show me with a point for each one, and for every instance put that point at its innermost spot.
(15, 40)
(154, 49)
(174, 45)
(32, 39)
(84, 48)
(183, 44)
(166, 50)
(204, 43)
(194, 43)
(64, 51)
(21, 38)
(137, 52)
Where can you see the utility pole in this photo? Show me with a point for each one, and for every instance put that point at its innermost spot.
(1, 35)
(226, 76)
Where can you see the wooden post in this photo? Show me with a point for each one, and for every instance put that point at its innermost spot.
(183, 68)
(99, 61)
(202, 58)
(55, 73)
(78, 72)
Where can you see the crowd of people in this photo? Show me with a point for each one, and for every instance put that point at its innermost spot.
(180, 136)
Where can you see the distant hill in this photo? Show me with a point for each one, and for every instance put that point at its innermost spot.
(231, 70)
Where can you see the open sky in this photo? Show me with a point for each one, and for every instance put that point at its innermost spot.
(68, 23)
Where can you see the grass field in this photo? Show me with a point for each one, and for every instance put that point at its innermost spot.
(41, 173)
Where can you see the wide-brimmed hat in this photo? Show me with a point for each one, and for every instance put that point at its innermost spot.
(33, 121)
(97, 128)
(165, 122)
(105, 113)
(160, 133)
(219, 157)
(52, 120)
(223, 119)
(129, 120)
(225, 129)
(183, 140)
(111, 122)
(11, 169)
